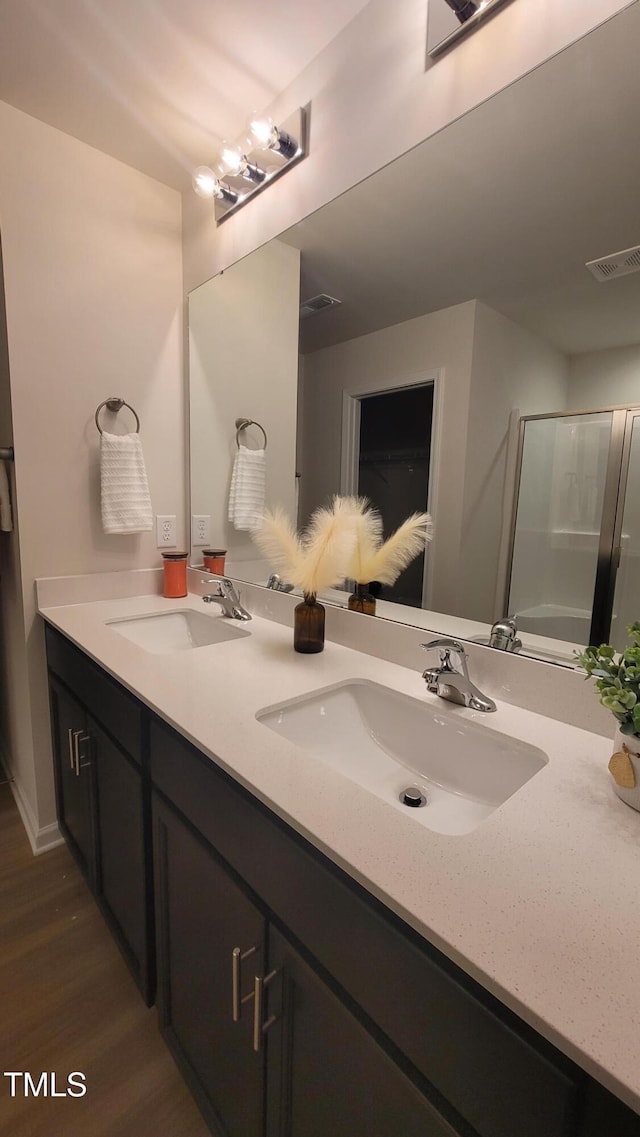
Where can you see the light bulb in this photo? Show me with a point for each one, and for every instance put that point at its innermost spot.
(234, 163)
(205, 182)
(231, 160)
(262, 133)
(207, 185)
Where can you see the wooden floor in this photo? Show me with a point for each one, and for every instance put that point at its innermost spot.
(67, 1002)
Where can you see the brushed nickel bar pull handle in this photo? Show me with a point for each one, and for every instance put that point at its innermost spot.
(81, 765)
(260, 1028)
(237, 956)
(75, 759)
(78, 737)
(70, 737)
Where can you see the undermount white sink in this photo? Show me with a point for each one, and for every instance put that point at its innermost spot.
(177, 631)
(388, 742)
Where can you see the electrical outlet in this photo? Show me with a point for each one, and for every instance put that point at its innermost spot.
(200, 529)
(166, 532)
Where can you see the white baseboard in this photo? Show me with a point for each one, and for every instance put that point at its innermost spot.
(41, 840)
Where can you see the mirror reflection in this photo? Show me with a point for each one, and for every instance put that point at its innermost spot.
(449, 20)
(455, 351)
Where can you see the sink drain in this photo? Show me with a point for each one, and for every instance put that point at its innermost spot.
(412, 797)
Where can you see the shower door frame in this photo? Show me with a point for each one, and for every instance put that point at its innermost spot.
(622, 416)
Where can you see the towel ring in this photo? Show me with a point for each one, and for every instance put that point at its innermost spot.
(114, 404)
(243, 423)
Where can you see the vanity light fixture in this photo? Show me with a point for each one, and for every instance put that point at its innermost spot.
(246, 168)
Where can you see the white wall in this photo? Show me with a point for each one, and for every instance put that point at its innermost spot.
(512, 369)
(490, 366)
(243, 363)
(93, 286)
(15, 722)
(604, 378)
(372, 100)
(401, 355)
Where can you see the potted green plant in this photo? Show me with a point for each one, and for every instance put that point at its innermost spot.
(617, 678)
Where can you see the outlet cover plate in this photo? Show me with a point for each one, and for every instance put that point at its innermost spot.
(166, 531)
(200, 529)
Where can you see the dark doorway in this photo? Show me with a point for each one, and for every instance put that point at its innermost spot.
(393, 470)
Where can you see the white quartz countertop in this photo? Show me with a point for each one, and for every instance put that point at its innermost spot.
(540, 903)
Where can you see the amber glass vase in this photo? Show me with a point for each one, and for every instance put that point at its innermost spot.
(308, 625)
(362, 600)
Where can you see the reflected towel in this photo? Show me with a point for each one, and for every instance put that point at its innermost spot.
(6, 519)
(246, 496)
(126, 504)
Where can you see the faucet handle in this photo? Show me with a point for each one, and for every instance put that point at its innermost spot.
(446, 646)
(228, 589)
(453, 645)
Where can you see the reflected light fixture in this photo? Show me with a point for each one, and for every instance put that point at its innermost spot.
(465, 9)
(442, 30)
(242, 169)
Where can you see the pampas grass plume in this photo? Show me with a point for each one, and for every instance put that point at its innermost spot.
(399, 550)
(373, 559)
(315, 561)
(280, 543)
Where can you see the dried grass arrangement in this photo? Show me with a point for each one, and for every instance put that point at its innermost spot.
(371, 557)
(314, 560)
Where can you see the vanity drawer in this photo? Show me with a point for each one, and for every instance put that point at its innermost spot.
(495, 1072)
(102, 696)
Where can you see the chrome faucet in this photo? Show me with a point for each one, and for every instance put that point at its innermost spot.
(227, 598)
(504, 635)
(450, 683)
(277, 584)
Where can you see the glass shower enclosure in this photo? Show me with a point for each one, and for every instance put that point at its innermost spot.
(575, 543)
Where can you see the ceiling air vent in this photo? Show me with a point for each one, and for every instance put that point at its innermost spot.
(318, 304)
(618, 264)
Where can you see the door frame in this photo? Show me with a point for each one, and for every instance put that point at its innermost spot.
(350, 449)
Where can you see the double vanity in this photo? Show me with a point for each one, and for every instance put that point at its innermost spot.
(359, 908)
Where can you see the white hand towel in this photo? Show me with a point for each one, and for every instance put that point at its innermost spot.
(246, 496)
(6, 520)
(126, 504)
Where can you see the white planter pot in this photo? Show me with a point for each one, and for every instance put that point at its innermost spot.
(630, 743)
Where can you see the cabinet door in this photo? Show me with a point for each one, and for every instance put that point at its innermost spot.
(326, 1074)
(74, 779)
(120, 869)
(203, 915)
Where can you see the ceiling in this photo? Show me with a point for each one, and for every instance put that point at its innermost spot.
(158, 83)
(506, 206)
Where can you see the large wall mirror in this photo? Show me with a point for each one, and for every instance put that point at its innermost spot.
(473, 364)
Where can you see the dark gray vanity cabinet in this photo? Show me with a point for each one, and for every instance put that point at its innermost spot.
(262, 1040)
(372, 1023)
(294, 1002)
(202, 917)
(75, 792)
(102, 801)
(326, 1073)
